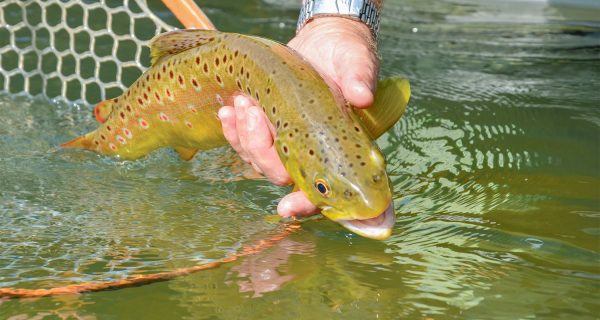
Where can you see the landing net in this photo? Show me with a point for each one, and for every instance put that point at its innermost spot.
(75, 51)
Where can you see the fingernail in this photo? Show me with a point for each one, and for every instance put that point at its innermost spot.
(223, 113)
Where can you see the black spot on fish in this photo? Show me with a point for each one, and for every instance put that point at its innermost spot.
(358, 156)
(348, 194)
(363, 164)
(268, 91)
(197, 61)
(217, 61)
(376, 178)
(311, 101)
(311, 152)
(274, 110)
(357, 129)
(205, 67)
(357, 145)
(285, 149)
(171, 75)
(239, 84)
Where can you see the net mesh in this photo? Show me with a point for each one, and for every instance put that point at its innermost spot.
(74, 51)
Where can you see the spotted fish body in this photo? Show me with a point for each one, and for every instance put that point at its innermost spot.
(324, 146)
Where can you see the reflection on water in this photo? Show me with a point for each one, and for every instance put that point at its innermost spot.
(495, 168)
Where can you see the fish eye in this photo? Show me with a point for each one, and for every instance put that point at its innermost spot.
(323, 187)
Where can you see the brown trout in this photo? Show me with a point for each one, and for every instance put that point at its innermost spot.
(326, 146)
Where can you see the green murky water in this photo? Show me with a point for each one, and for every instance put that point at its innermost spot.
(496, 168)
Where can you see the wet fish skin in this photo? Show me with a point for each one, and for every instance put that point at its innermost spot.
(321, 142)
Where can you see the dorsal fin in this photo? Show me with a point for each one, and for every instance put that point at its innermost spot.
(174, 42)
(103, 110)
(390, 103)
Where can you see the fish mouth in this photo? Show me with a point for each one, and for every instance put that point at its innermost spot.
(377, 228)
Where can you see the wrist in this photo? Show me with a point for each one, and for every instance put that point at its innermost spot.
(361, 12)
(336, 25)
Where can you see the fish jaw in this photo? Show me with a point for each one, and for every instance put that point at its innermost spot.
(377, 228)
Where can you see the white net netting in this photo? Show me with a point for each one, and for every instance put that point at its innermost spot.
(74, 51)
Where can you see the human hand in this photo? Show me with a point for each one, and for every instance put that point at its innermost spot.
(342, 51)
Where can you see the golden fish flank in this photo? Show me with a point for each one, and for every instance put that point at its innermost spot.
(326, 147)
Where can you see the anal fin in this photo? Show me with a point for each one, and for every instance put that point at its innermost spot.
(186, 153)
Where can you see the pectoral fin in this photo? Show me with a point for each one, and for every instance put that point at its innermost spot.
(186, 153)
(390, 103)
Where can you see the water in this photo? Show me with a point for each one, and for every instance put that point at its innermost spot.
(495, 168)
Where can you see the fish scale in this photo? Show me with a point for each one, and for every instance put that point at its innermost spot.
(325, 146)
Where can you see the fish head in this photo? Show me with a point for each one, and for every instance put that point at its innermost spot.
(344, 175)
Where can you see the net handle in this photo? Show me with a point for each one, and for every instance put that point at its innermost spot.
(189, 14)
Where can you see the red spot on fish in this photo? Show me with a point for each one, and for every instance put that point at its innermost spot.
(219, 99)
(198, 60)
(146, 96)
(143, 123)
(158, 76)
(127, 133)
(168, 92)
(121, 140)
(188, 124)
(112, 146)
(192, 109)
(180, 78)
(157, 96)
(163, 117)
(205, 67)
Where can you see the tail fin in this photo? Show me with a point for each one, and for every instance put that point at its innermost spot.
(390, 103)
(82, 142)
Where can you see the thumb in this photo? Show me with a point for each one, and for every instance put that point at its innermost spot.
(359, 82)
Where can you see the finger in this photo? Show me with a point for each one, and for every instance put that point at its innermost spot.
(359, 79)
(258, 143)
(241, 105)
(228, 123)
(296, 204)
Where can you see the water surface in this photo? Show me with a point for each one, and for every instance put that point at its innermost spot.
(495, 169)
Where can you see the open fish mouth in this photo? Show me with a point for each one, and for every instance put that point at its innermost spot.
(378, 228)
